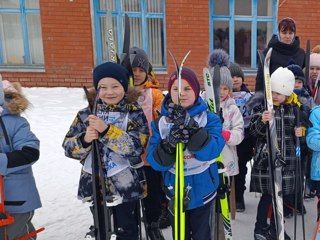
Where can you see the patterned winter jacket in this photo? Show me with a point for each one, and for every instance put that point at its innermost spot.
(201, 172)
(260, 179)
(121, 149)
(18, 153)
(233, 122)
(313, 141)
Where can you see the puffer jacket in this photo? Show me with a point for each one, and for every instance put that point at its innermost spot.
(233, 122)
(260, 179)
(203, 185)
(18, 153)
(126, 144)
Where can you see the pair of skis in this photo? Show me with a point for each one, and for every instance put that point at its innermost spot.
(274, 157)
(179, 188)
(212, 89)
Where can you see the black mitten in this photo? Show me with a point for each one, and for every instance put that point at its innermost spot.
(177, 114)
(180, 117)
(192, 126)
(167, 146)
(178, 134)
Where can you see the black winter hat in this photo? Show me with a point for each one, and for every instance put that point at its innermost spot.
(112, 70)
(139, 58)
(236, 70)
(298, 73)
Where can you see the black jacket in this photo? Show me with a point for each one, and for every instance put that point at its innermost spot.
(281, 55)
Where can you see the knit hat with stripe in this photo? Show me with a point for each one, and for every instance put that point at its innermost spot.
(188, 75)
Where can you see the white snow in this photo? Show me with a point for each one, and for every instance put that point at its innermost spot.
(62, 214)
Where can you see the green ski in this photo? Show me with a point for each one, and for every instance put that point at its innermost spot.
(179, 211)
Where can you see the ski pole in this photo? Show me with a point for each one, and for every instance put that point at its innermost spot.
(27, 236)
(300, 182)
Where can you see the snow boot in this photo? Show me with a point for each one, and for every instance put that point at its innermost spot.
(272, 234)
(240, 205)
(262, 233)
(154, 231)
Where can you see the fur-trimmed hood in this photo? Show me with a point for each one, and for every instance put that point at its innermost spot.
(14, 100)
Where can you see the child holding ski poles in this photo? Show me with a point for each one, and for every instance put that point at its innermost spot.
(241, 94)
(300, 88)
(150, 100)
(121, 129)
(201, 133)
(233, 124)
(286, 105)
(19, 151)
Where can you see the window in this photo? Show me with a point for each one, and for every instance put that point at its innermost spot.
(241, 27)
(20, 33)
(147, 23)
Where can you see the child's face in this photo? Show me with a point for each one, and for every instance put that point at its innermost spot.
(278, 98)
(187, 94)
(314, 71)
(224, 92)
(139, 75)
(237, 82)
(111, 91)
(298, 84)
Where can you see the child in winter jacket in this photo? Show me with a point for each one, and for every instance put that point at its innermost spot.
(300, 88)
(313, 142)
(313, 76)
(19, 151)
(286, 107)
(150, 100)
(201, 133)
(121, 129)
(241, 94)
(232, 119)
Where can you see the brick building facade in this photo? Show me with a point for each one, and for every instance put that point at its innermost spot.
(68, 45)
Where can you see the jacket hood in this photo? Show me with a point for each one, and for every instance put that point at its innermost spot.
(14, 100)
(198, 107)
(152, 82)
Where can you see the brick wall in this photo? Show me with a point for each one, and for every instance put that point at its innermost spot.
(67, 44)
(187, 29)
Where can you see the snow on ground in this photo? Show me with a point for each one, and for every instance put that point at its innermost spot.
(62, 214)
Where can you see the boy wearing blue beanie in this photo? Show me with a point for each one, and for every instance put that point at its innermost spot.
(121, 129)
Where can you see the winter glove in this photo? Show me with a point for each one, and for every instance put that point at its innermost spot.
(180, 117)
(226, 135)
(177, 114)
(178, 135)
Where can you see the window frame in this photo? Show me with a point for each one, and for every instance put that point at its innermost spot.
(254, 19)
(119, 14)
(23, 12)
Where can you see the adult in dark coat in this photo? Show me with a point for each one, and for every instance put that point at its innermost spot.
(285, 48)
